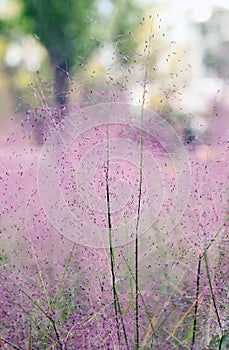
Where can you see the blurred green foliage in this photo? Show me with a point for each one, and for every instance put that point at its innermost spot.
(64, 30)
(62, 27)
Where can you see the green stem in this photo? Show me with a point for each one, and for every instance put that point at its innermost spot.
(117, 306)
(148, 48)
(49, 317)
(143, 301)
(197, 302)
(9, 343)
(214, 300)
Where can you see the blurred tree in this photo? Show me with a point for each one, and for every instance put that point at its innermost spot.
(64, 30)
(70, 31)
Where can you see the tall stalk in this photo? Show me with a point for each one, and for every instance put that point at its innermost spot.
(196, 302)
(117, 306)
(148, 48)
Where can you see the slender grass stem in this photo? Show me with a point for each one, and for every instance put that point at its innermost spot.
(196, 302)
(9, 343)
(60, 286)
(215, 235)
(136, 257)
(41, 277)
(30, 336)
(127, 262)
(221, 341)
(20, 305)
(117, 306)
(112, 258)
(143, 301)
(214, 300)
(15, 299)
(49, 317)
(204, 255)
(137, 339)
